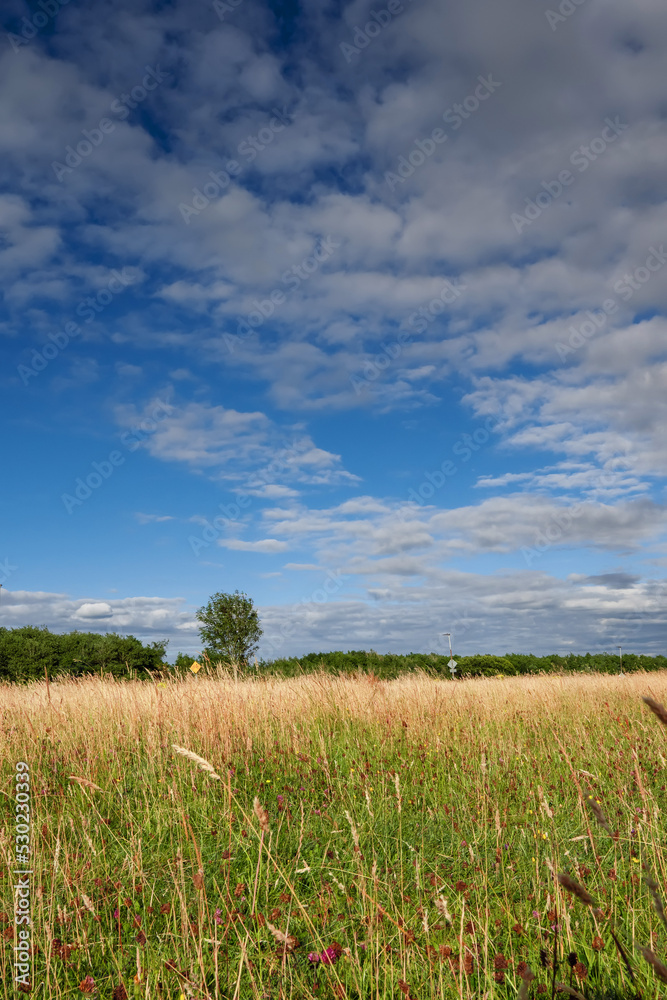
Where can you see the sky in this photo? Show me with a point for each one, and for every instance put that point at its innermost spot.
(357, 308)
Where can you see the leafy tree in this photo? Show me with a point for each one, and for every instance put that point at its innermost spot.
(184, 661)
(26, 652)
(229, 627)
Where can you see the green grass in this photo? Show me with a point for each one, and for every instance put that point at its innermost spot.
(384, 799)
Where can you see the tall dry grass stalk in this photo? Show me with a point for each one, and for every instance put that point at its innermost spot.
(219, 713)
(107, 735)
(203, 764)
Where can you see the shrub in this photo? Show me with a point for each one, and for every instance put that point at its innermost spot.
(25, 653)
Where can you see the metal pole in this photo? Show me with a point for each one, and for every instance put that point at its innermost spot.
(452, 661)
(620, 656)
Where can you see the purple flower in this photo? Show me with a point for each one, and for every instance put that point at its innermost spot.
(329, 956)
(116, 914)
(536, 914)
(218, 916)
(313, 957)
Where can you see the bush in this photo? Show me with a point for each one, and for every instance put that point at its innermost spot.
(25, 653)
(485, 665)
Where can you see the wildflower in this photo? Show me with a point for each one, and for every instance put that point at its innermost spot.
(331, 954)
(536, 914)
(517, 928)
(580, 970)
(87, 985)
(313, 957)
(218, 916)
(572, 959)
(598, 943)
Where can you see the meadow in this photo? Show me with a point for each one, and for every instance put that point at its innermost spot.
(337, 837)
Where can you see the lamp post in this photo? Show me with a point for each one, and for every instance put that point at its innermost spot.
(620, 657)
(452, 661)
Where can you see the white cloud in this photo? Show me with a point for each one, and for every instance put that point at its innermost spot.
(246, 448)
(94, 610)
(263, 545)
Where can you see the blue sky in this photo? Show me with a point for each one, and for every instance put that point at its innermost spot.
(358, 308)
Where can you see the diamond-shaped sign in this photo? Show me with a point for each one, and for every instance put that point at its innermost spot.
(194, 667)
(452, 666)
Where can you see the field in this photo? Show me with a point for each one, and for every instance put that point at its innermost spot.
(338, 836)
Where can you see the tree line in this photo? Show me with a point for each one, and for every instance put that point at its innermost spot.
(230, 631)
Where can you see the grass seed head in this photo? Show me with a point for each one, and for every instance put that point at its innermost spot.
(262, 815)
(596, 809)
(659, 969)
(658, 710)
(203, 764)
(577, 890)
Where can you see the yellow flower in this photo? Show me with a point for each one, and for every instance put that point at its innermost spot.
(636, 860)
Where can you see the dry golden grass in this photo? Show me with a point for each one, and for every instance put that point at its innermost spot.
(220, 712)
(435, 815)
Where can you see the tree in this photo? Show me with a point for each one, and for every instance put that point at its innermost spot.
(229, 627)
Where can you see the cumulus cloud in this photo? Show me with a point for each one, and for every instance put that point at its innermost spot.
(93, 610)
(556, 327)
(148, 618)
